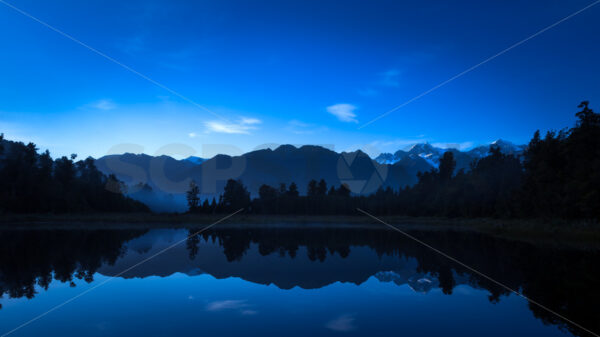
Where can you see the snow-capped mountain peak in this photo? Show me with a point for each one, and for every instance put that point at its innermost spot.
(432, 154)
(423, 148)
(505, 147)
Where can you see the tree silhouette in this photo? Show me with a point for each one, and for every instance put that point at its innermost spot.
(344, 190)
(192, 197)
(447, 165)
(312, 189)
(293, 190)
(205, 207)
(332, 191)
(267, 192)
(322, 188)
(192, 242)
(235, 196)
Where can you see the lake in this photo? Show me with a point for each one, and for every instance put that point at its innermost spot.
(290, 281)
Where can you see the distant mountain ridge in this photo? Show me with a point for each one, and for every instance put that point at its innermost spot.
(162, 181)
(285, 164)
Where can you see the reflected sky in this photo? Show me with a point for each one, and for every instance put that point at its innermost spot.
(359, 287)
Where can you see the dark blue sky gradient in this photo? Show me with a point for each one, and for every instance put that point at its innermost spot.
(283, 63)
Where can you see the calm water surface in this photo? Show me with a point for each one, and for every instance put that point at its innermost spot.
(289, 281)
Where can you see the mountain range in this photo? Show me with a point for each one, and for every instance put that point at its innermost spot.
(162, 181)
(431, 154)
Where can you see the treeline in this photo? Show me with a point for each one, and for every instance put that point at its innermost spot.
(558, 176)
(271, 200)
(32, 182)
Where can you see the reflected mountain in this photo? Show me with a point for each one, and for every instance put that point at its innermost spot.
(286, 258)
(309, 258)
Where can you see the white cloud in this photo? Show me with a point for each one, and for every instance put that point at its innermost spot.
(459, 146)
(250, 121)
(226, 304)
(343, 323)
(243, 126)
(344, 112)
(103, 104)
(192, 135)
(240, 306)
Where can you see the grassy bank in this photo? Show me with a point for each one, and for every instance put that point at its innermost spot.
(535, 230)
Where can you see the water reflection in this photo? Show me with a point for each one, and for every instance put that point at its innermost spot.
(35, 257)
(309, 258)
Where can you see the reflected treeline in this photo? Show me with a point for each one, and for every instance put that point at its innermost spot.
(30, 258)
(565, 280)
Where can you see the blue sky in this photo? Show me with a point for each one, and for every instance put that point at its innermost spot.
(300, 72)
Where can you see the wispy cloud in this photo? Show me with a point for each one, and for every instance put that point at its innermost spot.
(192, 135)
(458, 146)
(300, 128)
(241, 306)
(399, 142)
(103, 104)
(344, 112)
(243, 126)
(389, 78)
(343, 323)
(250, 121)
(300, 124)
(368, 92)
(226, 305)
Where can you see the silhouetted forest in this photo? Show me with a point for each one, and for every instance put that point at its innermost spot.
(558, 176)
(31, 182)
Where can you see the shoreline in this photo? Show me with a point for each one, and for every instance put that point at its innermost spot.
(572, 233)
